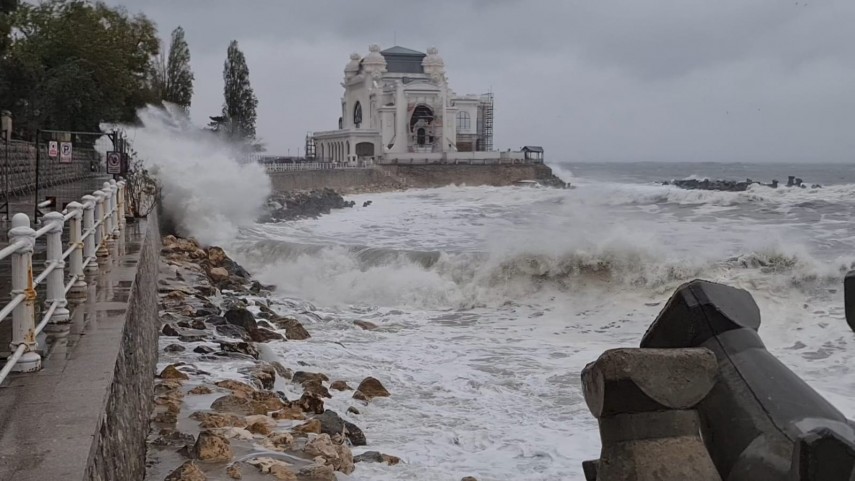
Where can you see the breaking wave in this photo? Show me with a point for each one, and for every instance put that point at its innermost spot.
(430, 279)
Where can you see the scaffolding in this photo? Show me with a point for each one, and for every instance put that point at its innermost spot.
(310, 147)
(485, 123)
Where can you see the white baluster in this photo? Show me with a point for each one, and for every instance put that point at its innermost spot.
(89, 241)
(23, 317)
(75, 239)
(56, 278)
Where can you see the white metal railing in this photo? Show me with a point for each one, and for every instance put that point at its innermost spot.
(309, 166)
(92, 225)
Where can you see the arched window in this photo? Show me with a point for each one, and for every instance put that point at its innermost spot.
(422, 112)
(357, 115)
(463, 121)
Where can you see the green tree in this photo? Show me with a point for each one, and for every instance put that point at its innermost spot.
(240, 100)
(6, 9)
(172, 78)
(74, 64)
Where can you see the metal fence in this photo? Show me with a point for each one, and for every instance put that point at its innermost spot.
(309, 166)
(93, 223)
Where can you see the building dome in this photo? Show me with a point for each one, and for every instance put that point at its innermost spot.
(352, 67)
(434, 65)
(374, 63)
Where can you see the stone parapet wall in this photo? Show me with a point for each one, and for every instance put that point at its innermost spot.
(395, 177)
(21, 169)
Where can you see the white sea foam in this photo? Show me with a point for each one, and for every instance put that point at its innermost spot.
(490, 301)
(206, 190)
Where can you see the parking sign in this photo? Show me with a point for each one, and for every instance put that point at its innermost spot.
(65, 153)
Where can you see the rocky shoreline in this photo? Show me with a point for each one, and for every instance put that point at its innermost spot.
(303, 205)
(211, 426)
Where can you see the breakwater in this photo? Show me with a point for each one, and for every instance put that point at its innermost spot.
(398, 177)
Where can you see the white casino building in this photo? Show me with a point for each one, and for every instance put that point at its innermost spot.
(398, 108)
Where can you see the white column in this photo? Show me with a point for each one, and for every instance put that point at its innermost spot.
(75, 239)
(115, 214)
(108, 191)
(56, 278)
(89, 239)
(23, 317)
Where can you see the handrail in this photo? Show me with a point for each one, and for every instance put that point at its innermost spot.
(93, 224)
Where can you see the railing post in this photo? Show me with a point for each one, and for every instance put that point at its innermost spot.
(75, 239)
(107, 189)
(121, 204)
(56, 278)
(101, 251)
(24, 315)
(89, 203)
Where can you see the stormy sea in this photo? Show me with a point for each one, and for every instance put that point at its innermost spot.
(489, 301)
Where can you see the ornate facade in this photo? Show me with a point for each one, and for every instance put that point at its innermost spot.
(397, 105)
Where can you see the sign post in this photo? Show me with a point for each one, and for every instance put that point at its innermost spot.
(114, 163)
(53, 149)
(65, 152)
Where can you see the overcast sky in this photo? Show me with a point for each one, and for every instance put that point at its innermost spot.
(590, 80)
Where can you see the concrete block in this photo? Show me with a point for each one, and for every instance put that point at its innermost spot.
(625, 381)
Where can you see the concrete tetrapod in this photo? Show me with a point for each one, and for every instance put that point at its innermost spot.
(760, 421)
(644, 400)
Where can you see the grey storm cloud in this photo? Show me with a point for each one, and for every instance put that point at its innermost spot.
(590, 80)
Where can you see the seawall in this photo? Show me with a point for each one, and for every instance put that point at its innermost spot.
(396, 177)
(85, 416)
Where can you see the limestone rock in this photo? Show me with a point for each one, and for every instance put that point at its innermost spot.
(208, 420)
(233, 471)
(259, 428)
(218, 274)
(171, 372)
(212, 447)
(336, 455)
(216, 256)
(283, 371)
(281, 441)
(353, 410)
(371, 388)
(279, 469)
(264, 374)
(198, 390)
(289, 413)
(317, 472)
(309, 403)
(359, 396)
(234, 433)
(294, 330)
(229, 330)
(174, 348)
(238, 405)
(368, 326)
(203, 350)
(261, 334)
(240, 348)
(236, 386)
(340, 386)
(468, 478)
(332, 424)
(241, 317)
(377, 457)
(302, 376)
(169, 330)
(311, 426)
(188, 471)
(316, 388)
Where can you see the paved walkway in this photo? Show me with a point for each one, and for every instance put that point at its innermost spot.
(47, 418)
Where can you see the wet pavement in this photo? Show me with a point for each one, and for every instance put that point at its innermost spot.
(47, 418)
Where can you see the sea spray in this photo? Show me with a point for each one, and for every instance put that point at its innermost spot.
(206, 191)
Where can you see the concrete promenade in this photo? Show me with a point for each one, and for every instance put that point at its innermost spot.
(85, 415)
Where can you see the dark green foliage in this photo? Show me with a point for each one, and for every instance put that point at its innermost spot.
(240, 101)
(75, 64)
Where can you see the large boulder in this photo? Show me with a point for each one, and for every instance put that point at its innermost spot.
(377, 457)
(338, 456)
(294, 330)
(241, 317)
(332, 424)
(369, 389)
(212, 447)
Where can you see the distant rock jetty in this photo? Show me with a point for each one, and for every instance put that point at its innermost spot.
(734, 185)
(303, 205)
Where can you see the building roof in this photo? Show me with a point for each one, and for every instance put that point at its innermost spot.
(403, 60)
(398, 50)
(532, 148)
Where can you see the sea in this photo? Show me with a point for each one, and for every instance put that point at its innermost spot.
(489, 301)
